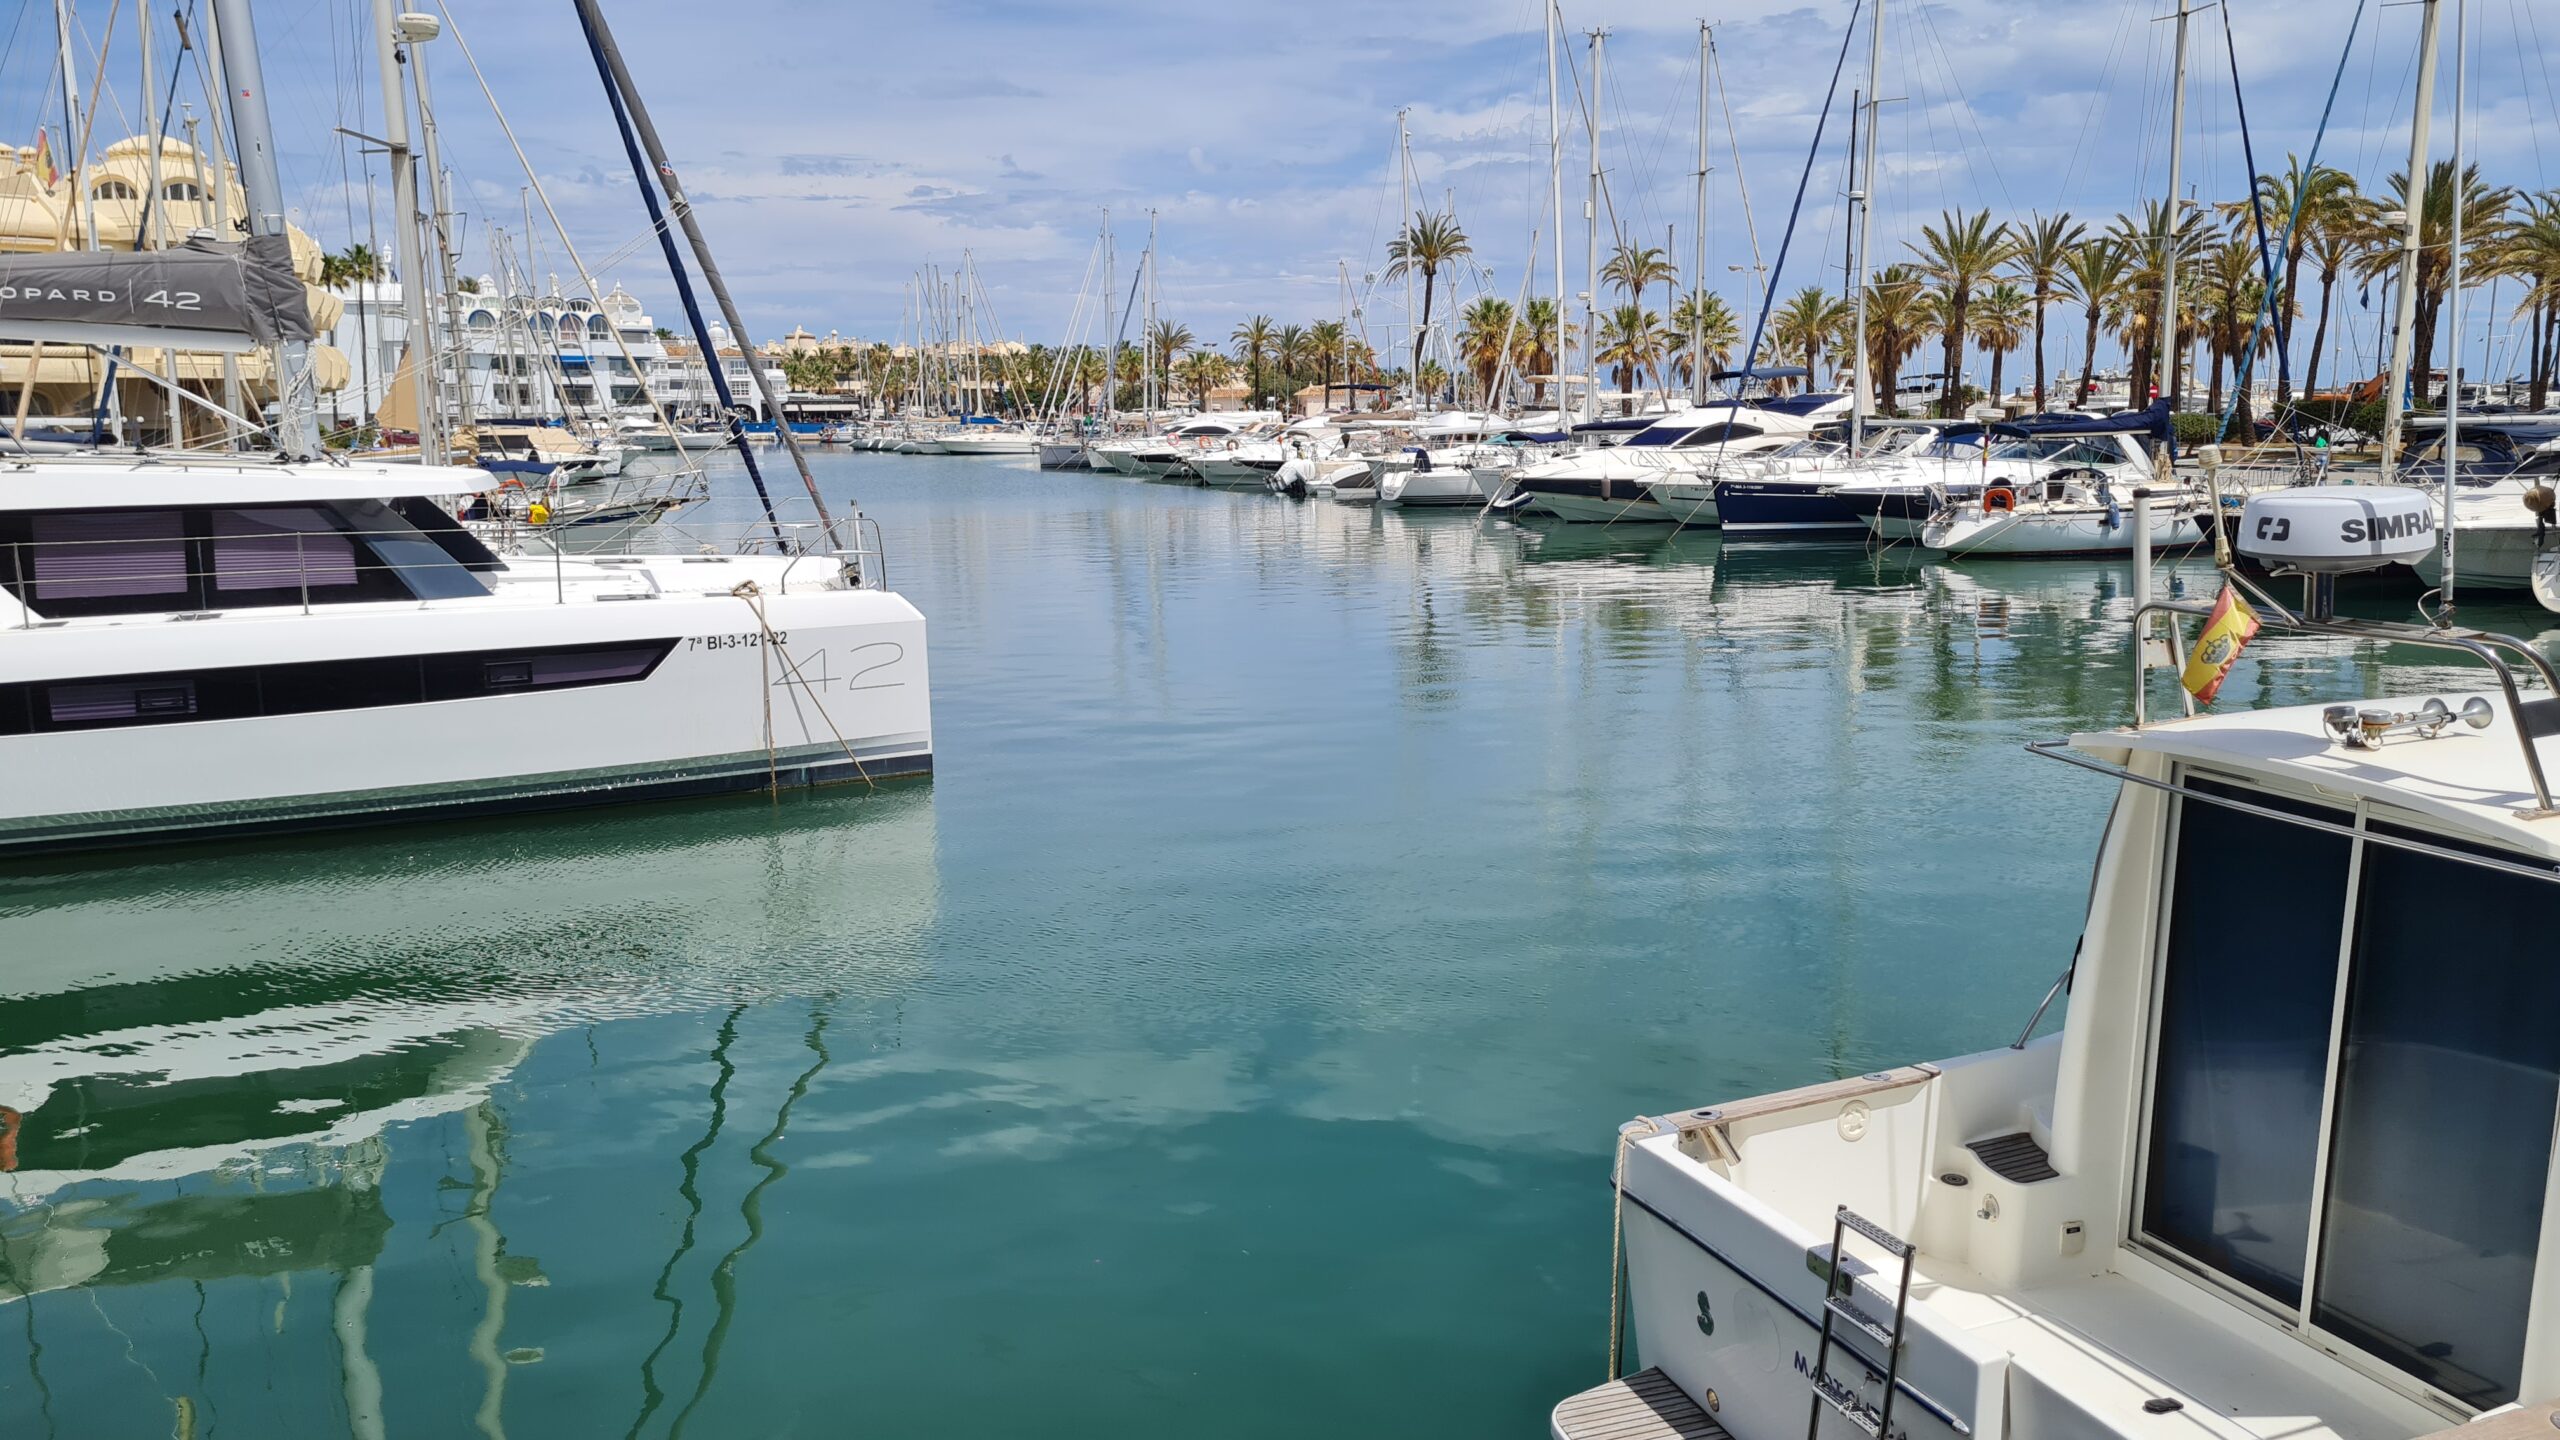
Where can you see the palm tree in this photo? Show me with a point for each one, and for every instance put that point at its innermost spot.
(1254, 340)
(1805, 324)
(2325, 195)
(2483, 224)
(1204, 371)
(1959, 252)
(1901, 312)
(1632, 270)
(1324, 338)
(1999, 321)
(2334, 247)
(2044, 246)
(1718, 332)
(2138, 311)
(2231, 285)
(1486, 341)
(2531, 253)
(1630, 339)
(1541, 337)
(1168, 340)
(1426, 244)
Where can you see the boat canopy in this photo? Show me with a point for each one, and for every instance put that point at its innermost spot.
(202, 295)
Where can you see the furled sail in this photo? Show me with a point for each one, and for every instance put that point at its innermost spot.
(202, 295)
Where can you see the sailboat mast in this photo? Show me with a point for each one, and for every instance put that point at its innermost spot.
(1155, 375)
(1555, 186)
(600, 38)
(1404, 202)
(404, 230)
(2164, 339)
(1864, 197)
(1591, 246)
(2453, 297)
(1698, 265)
(297, 403)
(1111, 321)
(414, 30)
(2415, 196)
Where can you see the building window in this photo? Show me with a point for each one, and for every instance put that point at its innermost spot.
(181, 190)
(113, 189)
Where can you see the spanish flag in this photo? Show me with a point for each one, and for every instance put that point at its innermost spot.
(2226, 631)
(44, 159)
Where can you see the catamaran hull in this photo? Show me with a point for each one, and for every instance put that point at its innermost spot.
(694, 723)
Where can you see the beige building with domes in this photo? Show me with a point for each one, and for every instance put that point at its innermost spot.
(109, 211)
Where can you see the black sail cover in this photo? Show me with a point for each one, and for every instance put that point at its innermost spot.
(202, 295)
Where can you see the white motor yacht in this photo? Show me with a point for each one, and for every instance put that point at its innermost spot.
(2069, 511)
(2285, 1169)
(1615, 485)
(988, 440)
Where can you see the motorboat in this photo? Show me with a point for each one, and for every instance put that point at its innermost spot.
(1250, 464)
(975, 438)
(1615, 485)
(2068, 511)
(1898, 495)
(2283, 1167)
(2497, 531)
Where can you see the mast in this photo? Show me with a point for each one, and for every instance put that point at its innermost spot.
(1555, 186)
(158, 206)
(74, 136)
(2453, 288)
(1698, 265)
(297, 404)
(404, 231)
(1412, 317)
(415, 30)
(1864, 199)
(1155, 378)
(2165, 338)
(600, 39)
(2405, 312)
(1591, 245)
(1111, 323)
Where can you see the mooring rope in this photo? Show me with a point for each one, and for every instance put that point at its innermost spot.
(771, 642)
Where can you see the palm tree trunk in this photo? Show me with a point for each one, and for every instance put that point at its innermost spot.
(1998, 355)
(2284, 309)
(1951, 362)
(2542, 335)
(2042, 300)
(2424, 350)
(2088, 359)
(2319, 333)
(1420, 331)
(2213, 395)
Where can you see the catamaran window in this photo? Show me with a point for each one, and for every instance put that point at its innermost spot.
(374, 682)
(2243, 1042)
(2448, 1073)
(84, 561)
(289, 548)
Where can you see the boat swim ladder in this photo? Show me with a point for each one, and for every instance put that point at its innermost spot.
(1840, 1307)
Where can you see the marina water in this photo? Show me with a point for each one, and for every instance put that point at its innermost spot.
(1227, 1041)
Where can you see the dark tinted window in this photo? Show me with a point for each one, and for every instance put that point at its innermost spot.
(2448, 1075)
(2243, 1047)
(110, 556)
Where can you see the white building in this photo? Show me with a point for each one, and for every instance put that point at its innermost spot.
(526, 356)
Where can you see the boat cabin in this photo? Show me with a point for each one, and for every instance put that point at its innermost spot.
(2285, 1169)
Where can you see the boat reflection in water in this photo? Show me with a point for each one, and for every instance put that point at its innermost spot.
(258, 1103)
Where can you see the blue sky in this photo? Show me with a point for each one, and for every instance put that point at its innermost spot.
(836, 148)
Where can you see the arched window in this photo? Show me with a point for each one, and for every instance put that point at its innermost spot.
(481, 320)
(114, 189)
(540, 323)
(181, 190)
(598, 329)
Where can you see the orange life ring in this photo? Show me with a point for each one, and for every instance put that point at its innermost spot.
(511, 483)
(1999, 500)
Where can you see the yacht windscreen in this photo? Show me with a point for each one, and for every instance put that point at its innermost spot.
(2435, 1083)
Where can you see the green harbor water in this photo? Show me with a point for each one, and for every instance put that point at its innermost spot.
(1229, 1040)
